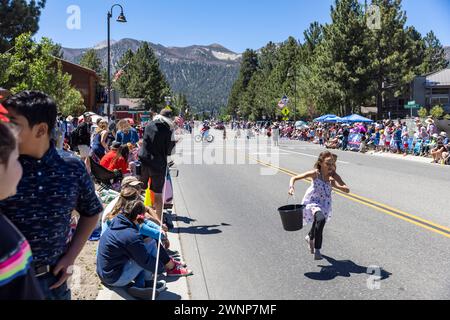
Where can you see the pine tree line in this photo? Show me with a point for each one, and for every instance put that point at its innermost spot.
(339, 67)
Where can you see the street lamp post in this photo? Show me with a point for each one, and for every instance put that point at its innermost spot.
(294, 74)
(121, 19)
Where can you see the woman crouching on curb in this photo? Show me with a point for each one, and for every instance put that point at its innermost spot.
(317, 200)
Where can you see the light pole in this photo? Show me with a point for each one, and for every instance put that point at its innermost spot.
(294, 74)
(121, 19)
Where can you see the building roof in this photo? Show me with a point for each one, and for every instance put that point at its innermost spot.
(441, 78)
(79, 67)
(133, 103)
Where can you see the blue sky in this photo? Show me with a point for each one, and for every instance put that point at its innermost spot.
(235, 24)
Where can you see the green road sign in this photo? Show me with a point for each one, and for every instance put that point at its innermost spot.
(412, 106)
(285, 112)
(411, 103)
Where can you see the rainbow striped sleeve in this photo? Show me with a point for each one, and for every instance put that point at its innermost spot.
(16, 265)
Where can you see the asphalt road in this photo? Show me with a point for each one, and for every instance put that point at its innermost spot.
(389, 239)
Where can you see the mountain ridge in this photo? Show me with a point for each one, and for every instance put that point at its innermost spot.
(205, 74)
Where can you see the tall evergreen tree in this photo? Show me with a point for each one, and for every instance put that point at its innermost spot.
(342, 58)
(91, 60)
(313, 37)
(18, 17)
(434, 59)
(125, 69)
(389, 54)
(249, 65)
(146, 79)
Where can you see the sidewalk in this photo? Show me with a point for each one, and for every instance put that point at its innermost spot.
(177, 288)
(401, 157)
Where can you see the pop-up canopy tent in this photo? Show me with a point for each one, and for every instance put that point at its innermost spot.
(300, 124)
(332, 119)
(355, 118)
(322, 118)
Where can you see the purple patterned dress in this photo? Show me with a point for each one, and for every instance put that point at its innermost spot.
(317, 198)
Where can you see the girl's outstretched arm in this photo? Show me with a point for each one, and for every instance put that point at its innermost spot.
(338, 183)
(310, 174)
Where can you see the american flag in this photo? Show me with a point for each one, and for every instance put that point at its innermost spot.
(120, 73)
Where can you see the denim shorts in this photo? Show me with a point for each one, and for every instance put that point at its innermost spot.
(61, 293)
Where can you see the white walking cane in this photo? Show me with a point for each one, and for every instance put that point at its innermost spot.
(160, 233)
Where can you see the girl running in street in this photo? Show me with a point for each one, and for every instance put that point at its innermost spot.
(317, 200)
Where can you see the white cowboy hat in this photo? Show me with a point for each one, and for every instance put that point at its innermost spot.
(443, 134)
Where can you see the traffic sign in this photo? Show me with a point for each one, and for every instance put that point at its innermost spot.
(285, 112)
(411, 103)
(285, 119)
(412, 106)
(283, 102)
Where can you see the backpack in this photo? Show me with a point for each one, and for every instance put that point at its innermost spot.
(74, 137)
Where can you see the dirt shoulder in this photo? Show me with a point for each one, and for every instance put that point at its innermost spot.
(85, 283)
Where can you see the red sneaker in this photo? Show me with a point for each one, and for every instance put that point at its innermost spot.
(179, 262)
(179, 271)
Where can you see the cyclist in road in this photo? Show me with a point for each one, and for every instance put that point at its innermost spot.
(205, 130)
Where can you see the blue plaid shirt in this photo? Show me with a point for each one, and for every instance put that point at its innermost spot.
(50, 189)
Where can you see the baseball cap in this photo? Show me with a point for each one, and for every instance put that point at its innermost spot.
(131, 181)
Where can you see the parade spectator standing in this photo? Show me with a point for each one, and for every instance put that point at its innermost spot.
(82, 139)
(126, 133)
(54, 184)
(276, 135)
(345, 134)
(398, 138)
(158, 144)
(431, 126)
(17, 278)
(99, 143)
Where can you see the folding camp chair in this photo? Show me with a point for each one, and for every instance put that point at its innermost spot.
(103, 177)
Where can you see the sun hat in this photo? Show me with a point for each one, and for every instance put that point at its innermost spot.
(435, 135)
(443, 134)
(131, 181)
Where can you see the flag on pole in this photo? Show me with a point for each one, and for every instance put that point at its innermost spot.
(149, 195)
(120, 73)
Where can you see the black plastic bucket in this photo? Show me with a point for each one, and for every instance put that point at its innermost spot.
(292, 217)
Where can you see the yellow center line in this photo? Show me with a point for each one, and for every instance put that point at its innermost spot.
(426, 224)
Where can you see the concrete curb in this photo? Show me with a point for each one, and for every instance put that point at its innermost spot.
(401, 157)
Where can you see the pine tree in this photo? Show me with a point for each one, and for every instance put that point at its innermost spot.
(313, 37)
(18, 17)
(91, 60)
(342, 58)
(146, 80)
(125, 67)
(390, 53)
(249, 66)
(434, 57)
